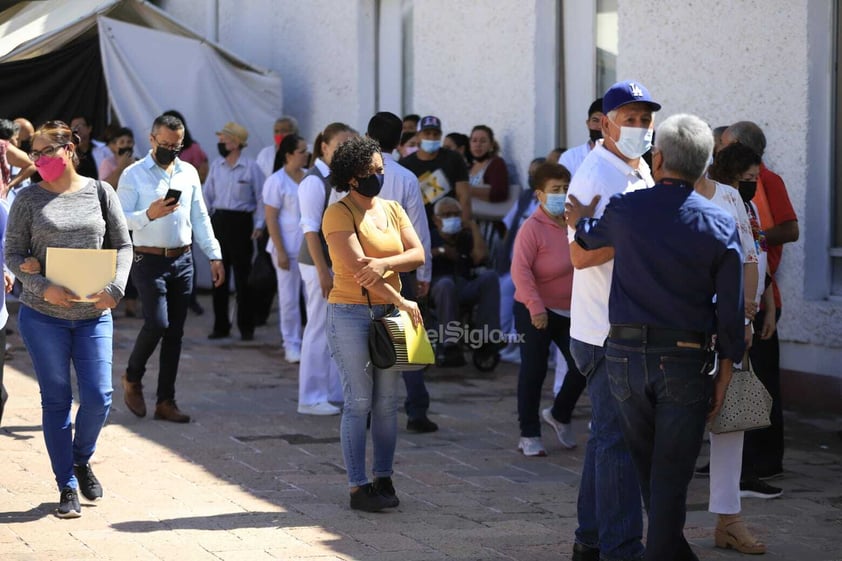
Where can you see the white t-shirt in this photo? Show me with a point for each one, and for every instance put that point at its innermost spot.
(728, 199)
(281, 191)
(573, 158)
(601, 173)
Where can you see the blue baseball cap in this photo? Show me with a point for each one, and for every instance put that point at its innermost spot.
(623, 93)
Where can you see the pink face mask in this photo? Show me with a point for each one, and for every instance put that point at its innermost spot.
(50, 168)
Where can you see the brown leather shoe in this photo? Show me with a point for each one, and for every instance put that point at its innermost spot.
(169, 411)
(133, 396)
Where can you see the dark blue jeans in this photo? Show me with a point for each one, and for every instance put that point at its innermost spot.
(164, 285)
(534, 355)
(609, 510)
(417, 398)
(663, 396)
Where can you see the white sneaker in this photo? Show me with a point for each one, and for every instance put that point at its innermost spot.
(323, 408)
(292, 356)
(564, 431)
(531, 446)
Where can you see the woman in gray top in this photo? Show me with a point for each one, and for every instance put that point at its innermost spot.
(69, 211)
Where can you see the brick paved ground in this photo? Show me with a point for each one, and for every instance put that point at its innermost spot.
(250, 479)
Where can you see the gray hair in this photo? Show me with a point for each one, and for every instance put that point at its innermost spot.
(446, 201)
(750, 134)
(290, 121)
(685, 143)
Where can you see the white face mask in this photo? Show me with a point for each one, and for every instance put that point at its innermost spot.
(451, 225)
(634, 142)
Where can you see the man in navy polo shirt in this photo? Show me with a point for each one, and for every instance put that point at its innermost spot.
(677, 280)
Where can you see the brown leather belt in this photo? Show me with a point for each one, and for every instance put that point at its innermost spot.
(162, 251)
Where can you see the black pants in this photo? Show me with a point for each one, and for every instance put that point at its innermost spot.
(3, 394)
(164, 285)
(534, 356)
(763, 449)
(233, 230)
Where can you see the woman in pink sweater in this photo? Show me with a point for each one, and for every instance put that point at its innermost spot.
(543, 277)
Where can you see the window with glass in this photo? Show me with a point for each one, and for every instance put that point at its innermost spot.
(607, 39)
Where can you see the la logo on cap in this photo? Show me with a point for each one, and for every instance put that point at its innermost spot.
(635, 90)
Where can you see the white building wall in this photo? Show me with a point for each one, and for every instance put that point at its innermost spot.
(322, 49)
(728, 61)
(489, 62)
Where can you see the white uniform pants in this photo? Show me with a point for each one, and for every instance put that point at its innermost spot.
(726, 464)
(318, 377)
(289, 310)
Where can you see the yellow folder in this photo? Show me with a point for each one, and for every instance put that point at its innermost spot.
(418, 347)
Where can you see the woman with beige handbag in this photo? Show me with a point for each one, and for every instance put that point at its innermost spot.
(731, 165)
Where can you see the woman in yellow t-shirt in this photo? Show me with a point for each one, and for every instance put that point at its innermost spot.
(370, 241)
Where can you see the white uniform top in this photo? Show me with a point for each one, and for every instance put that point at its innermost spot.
(573, 158)
(401, 185)
(602, 173)
(266, 159)
(281, 191)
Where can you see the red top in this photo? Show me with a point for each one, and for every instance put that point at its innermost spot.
(541, 268)
(497, 176)
(774, 208)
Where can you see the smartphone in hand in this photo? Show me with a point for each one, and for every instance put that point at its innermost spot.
(172, 194)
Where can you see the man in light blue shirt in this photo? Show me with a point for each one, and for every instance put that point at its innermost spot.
(162, 199)
(234, 195)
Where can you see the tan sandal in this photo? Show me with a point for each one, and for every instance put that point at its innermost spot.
(732, 533)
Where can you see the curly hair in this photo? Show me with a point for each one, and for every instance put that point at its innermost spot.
(731, 162)
(352, 159)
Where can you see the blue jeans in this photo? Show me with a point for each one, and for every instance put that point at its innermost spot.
(53, 343)
(609, 510)
(663, 396)
(164, 285)
(365, 389)
(417, 398)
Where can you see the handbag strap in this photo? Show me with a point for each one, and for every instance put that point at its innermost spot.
(356, 233)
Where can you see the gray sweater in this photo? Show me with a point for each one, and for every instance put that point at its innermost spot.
(40, 219)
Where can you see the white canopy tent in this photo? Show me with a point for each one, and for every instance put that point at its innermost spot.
(151, 64)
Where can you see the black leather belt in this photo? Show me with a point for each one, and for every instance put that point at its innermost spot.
(659, 336)
(162, 251)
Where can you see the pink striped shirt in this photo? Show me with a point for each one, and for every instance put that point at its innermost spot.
(541, 268)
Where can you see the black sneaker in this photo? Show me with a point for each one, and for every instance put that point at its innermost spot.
(367, 499)
(703, 471)
(421, 424)
(384, 486)
(88, 483)
(68, 504)
(754, 488)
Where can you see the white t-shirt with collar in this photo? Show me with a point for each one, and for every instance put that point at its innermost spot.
(601, 173)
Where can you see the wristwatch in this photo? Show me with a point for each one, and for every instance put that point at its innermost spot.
(440, 250)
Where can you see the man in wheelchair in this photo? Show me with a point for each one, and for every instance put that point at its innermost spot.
(459, 279)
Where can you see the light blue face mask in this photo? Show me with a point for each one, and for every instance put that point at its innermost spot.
(451, 225)
(430, 146)
(555, 203)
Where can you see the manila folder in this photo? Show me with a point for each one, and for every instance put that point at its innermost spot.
(82, 271)
(418, 347)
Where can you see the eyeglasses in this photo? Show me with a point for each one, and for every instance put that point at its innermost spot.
(49, 152)
(451, 214)
(176, 148)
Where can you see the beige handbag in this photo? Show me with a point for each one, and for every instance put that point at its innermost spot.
(747, 403)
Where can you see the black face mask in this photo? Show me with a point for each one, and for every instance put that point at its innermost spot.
(165, 156)
(370, 186)
(595, 135)
(126, 150)
(747, 190)
(26, 146)
(223, 151)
